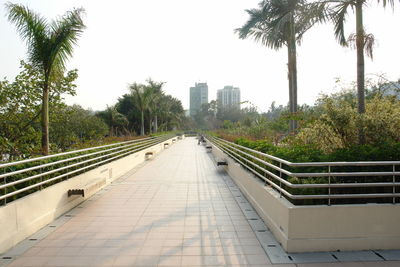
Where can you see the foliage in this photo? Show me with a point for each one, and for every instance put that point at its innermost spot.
(117, 123)
(337, 127)
(20, 109)
(73, 125)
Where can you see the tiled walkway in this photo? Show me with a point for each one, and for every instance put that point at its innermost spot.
(176, 210)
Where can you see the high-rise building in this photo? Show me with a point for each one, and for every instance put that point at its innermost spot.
(198, 97)
(228, 97)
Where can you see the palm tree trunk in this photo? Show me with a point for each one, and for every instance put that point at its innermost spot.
(292, 74)
(45, 118)
(290, 89)
(156, 124)
(150, 124)
(142, 124)
(360, 67)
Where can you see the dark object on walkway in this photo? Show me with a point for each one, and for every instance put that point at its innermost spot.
(201, 140)
(222, 163)
(78, 192)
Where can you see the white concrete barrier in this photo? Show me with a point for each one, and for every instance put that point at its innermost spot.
(23, 217)
(317, 227)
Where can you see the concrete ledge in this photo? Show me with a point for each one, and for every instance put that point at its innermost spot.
(23, 217)
(317, 228)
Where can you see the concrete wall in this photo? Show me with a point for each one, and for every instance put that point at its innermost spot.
(318, 228)
(23, 217)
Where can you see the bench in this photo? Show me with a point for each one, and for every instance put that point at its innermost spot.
(87, 190)
(77, 192)
(222, 162)
(148, 155)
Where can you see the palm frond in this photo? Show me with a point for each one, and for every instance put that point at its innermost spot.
(369, 43)
(387, 2)
(32, 28)
(64, 36)
(339, 14)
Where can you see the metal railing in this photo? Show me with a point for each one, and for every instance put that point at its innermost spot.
(21, 178)
(324, 182)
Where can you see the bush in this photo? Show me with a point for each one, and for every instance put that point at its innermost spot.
(337, 127)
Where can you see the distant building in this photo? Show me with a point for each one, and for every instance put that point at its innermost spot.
(228, 97)
(198, 97)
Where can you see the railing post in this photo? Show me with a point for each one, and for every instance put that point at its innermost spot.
(394, 183)
(280, 182)
(329, 187)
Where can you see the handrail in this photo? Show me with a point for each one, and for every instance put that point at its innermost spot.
(67, 153)
(265, 170)
(68, 166)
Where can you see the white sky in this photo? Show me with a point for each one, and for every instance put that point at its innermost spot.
(182, 42)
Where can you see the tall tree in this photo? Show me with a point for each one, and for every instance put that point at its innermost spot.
(49, 47)
(116, 121)
(141, 98)
(155, 94)
(283, 22)
(363, 41)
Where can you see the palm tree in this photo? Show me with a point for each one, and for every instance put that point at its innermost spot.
(117, 122)
(49, 47)
(283, 22)
(141, 98)
(340, 10)
(155, 95)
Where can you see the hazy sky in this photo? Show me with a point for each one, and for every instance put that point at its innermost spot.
(182, 42)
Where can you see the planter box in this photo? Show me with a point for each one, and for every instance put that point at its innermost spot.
(318, 227)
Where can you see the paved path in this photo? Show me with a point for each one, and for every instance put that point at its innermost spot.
(176, 210)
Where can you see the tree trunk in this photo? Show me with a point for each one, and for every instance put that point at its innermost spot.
(142, 124)
(360, 68)
(290, 90)
(156, 124)
(150, 124)
(45, 118)
(292, 65)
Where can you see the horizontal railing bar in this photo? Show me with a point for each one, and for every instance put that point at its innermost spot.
(67, 153)
(69, 173)
(343, 196)
(305, 186)
(151, 142)
(348, 163)
(316, 164)
(324, 174)
(264, 162)
(262, 169)
(68, 159)
(230, 150)
(344, 174)
(277, 187)
(257, 152)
